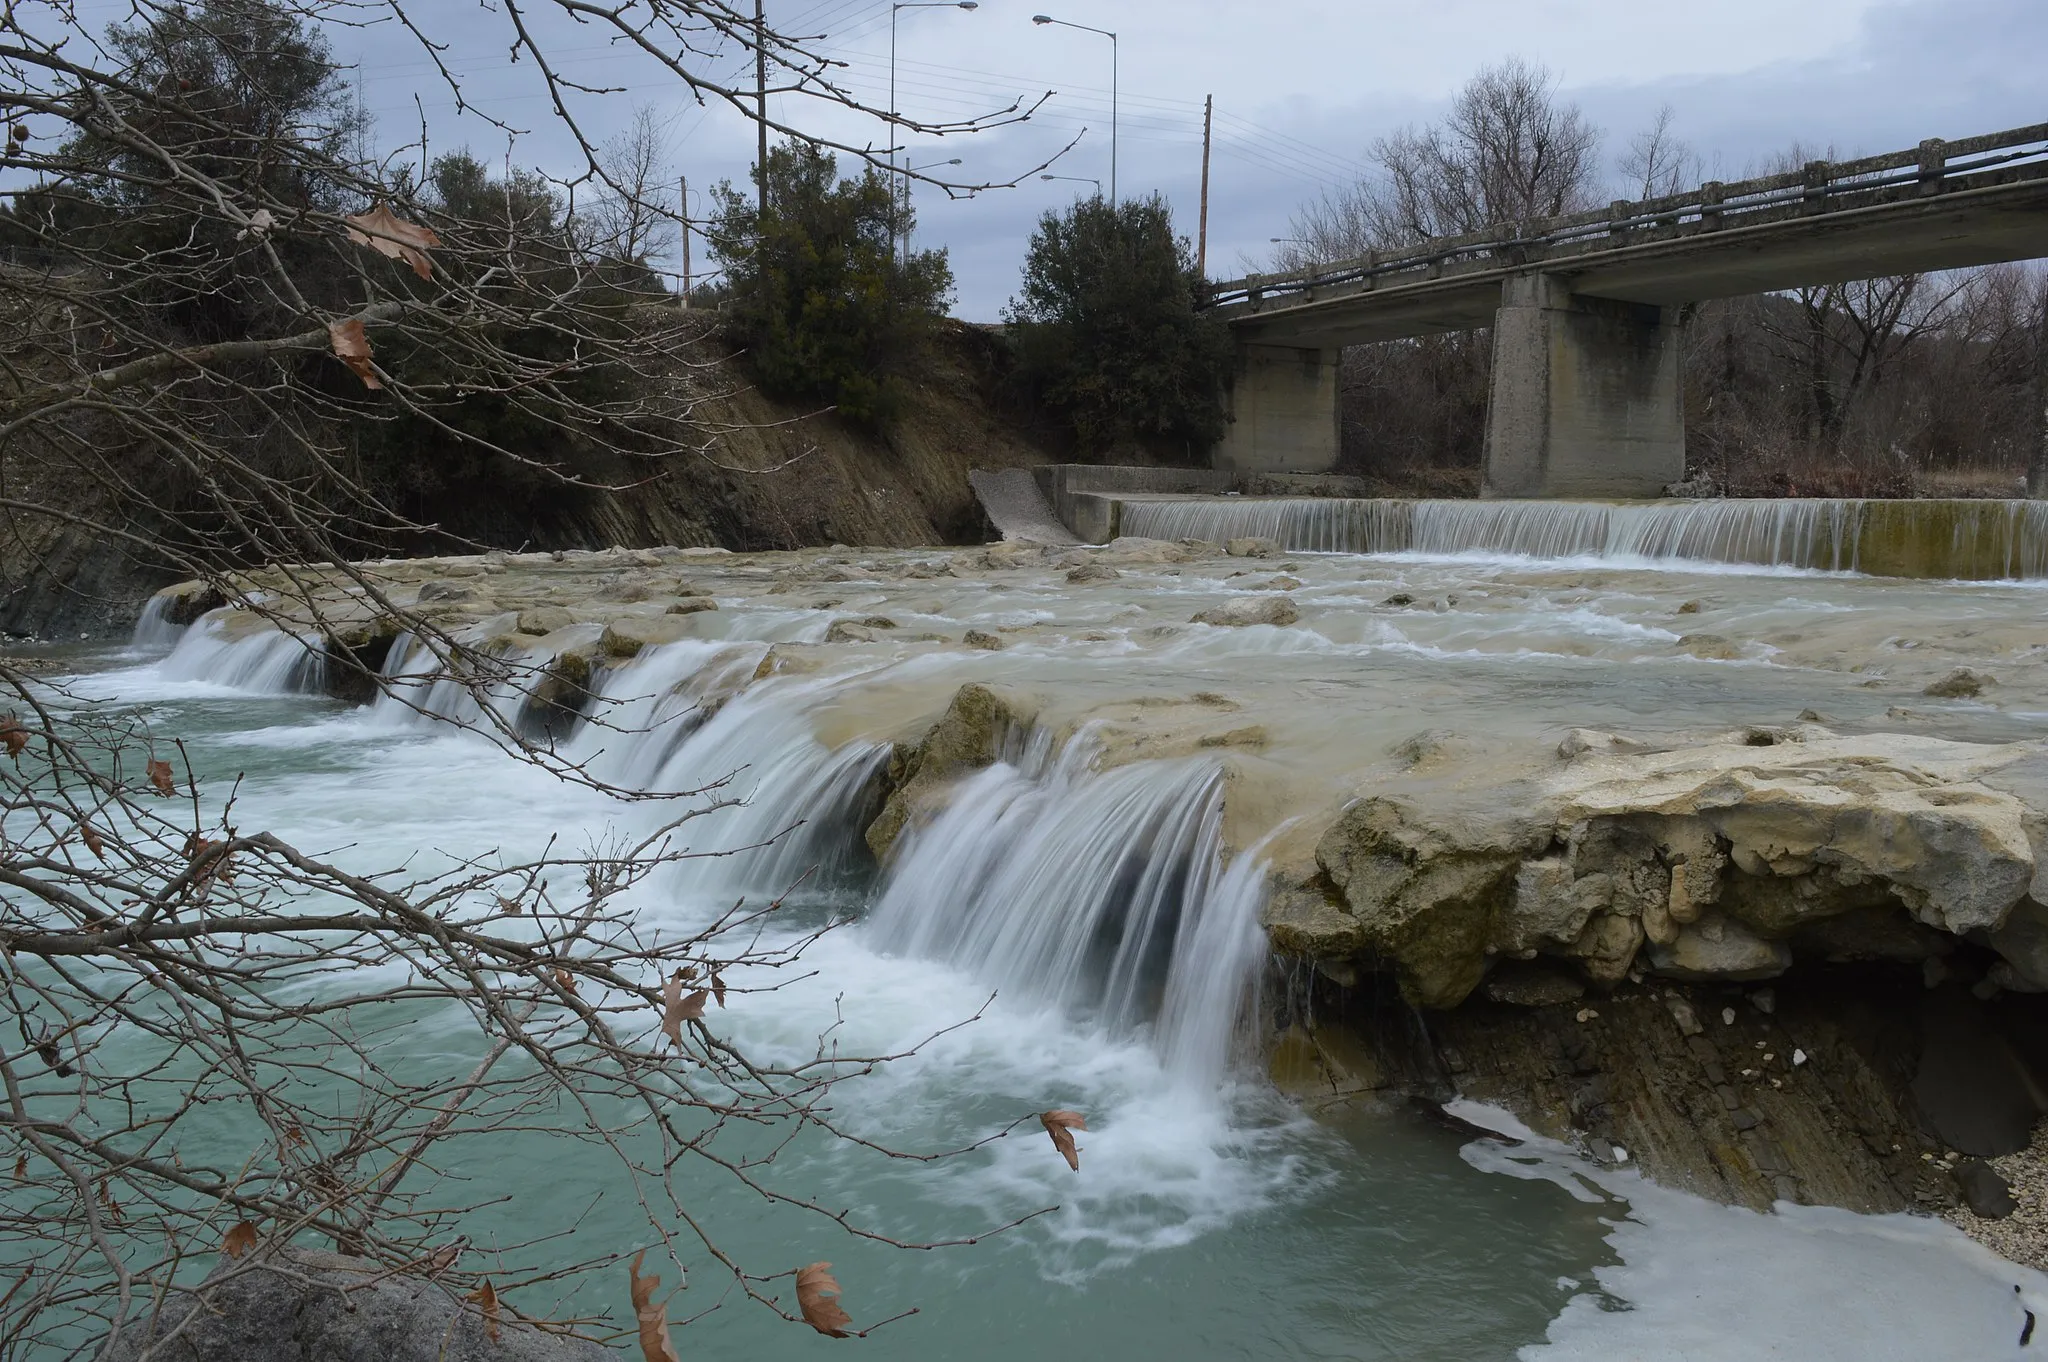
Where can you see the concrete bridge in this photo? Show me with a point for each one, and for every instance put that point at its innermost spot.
(1585, 309)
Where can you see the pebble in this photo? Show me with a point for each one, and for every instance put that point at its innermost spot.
(2023, 1235)
(1727, 1016)
(1587, 1014)
(1798, 1058)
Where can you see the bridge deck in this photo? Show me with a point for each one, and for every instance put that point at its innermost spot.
(1827, 224)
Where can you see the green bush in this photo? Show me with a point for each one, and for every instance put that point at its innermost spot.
(815, 287)
(1107, 332)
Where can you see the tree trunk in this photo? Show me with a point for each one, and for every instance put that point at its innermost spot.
(2037, 467)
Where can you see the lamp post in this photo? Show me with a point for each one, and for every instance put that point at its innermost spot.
(1048, 19)
(895, 9)
(1077, 179)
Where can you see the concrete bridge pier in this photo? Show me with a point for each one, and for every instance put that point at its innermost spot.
(1282, 411)
(1587, 399)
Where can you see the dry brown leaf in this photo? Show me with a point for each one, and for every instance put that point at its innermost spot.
(566, 979)
(90, 836)
(486, 1297)
(240, 1239)
(679, 1007)
(13, 736)
(718, 988)
(352, 347)
(388, 234)
(509, 905)
(1060, 1124)
(442, 1258)
(655, 1345)
(160, 777)
(20, 1167)
(817, 1296)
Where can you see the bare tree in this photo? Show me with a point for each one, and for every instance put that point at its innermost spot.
(635, 222)
(235, 346)
(1657, 163)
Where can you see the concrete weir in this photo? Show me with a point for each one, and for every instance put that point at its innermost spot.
(1960, 540)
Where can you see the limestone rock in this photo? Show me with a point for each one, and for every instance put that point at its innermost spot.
(1718, 947)
(690, 605)
(1092, 572)
(1306, 921)
(626, 636)
(565, 682)
(1252, 547)
(969, 736)
(1424, 893)
(846, 631)
(1711, 647)
(445, 591)
(542, 620)
(983, 640)
(187, 601)
(1960, 684)
(1234, 614)
(301, 1305)
(1134, 552)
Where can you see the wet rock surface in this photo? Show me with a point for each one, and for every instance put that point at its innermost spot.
(300, 1305)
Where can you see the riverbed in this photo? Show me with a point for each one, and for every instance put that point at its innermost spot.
(1210, 1218)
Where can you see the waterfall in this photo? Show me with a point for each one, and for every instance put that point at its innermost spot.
(1971, 540)
(1095, 891)
(258, 658)
(154, 632)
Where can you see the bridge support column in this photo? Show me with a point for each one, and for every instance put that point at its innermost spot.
(1587, 400)
(1282, 411)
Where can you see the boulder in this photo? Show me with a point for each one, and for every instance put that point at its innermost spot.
(302, 1305)
(968, 736)
(1092, 572)
(1256, 546)
(982, 639)
(690, 605)
(1308, 922)
(628, 635)
(542, 620)
(187, 601)
(1424, 891)
(846, 631)
(1236, 614)
(1133, 552)
(440, 590)
(1718, 947)
(1711, 647)
(1960, 684)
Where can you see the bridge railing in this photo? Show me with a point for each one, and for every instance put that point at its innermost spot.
(1934, 167)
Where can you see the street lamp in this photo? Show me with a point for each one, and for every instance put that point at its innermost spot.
(1048, 19)
(895, 9)
(1077, 179)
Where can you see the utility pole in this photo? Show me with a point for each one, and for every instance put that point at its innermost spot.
(683, 216)
(1202, 250)
(761, 98)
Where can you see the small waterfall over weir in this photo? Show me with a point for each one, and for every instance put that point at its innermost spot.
(261, 659)
(154, 631)
(1102, 893)
(1973, 540)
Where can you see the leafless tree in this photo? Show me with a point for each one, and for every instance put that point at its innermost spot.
(1657, 163)
(230, 338)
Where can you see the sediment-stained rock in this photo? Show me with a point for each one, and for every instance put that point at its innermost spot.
(969, 736)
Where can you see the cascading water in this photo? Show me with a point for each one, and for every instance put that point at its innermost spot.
(154, 631)
(1097, 892)
(1970, 540)
(262, 659)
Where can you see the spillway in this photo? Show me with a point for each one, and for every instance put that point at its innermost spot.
(1955, 539)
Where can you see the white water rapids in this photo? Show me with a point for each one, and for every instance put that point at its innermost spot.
(1110, 904)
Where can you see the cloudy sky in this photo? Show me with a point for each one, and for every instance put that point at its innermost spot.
(1302, 88)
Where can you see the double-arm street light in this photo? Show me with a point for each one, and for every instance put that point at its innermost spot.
(894, 9)
(1048, 19)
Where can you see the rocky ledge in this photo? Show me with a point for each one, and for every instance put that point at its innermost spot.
(1789, 961)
